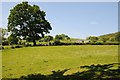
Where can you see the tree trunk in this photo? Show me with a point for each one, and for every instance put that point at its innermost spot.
(34, 43)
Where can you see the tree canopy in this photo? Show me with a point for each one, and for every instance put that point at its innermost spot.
(48, 38)
(28, 21)
(92, 38)
(12, 39)
(62, 37)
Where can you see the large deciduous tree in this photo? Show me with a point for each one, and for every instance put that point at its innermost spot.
(12, 39)
(28, 21)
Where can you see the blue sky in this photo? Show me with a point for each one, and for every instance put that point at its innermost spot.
(76, 19)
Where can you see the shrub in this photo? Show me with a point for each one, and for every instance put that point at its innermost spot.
(99, 43)
(56, 42)
(19, 42)
(26, 45)
(12, 47)
(50, 43)
(23, 43)
(2, 47)
(18, 46)
(5, 43)
(13, 39)
(111, 43)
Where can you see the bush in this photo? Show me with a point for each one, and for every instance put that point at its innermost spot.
(19, 42)
(26, 45)
(23, 43)
(50, 43)
(2, 47)
(13, 39)
(56, 42)
(111, 43)
(12, 47)
(99, 43)
(18, 46)
(5, 43)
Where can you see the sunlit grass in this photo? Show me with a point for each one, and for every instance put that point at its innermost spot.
(27, 60)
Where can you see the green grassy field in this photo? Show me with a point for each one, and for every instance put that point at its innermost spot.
(27, 60)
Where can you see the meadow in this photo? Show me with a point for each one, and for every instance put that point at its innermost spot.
(44, 59)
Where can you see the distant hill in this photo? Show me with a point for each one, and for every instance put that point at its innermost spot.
(110, 36)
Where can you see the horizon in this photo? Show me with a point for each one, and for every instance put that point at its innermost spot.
(73, 19)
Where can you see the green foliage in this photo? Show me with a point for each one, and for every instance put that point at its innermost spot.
(0, 38)
(112, 37)
(47, 38)
(62, 37)
(92, 38)
(56, 42)
(104, 39)
(2, 33)
(117, 37)
(13, 39)
(28, 21)
(29, 39)
(5, 42)
(58, 37)
(3, 39)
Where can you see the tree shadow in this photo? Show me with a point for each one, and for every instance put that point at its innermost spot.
(92, 72)
(101, 72)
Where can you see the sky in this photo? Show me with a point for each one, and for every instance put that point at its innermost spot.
(76, 19)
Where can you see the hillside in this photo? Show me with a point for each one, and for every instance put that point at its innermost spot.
(110, 36)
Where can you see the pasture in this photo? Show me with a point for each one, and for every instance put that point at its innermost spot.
(23, 61)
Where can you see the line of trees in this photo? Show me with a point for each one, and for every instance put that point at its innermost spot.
(12, 39)
(57, 37)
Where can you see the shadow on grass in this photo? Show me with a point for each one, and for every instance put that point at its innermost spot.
(92, 72)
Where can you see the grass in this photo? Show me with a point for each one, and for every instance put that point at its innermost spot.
(27, 60)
